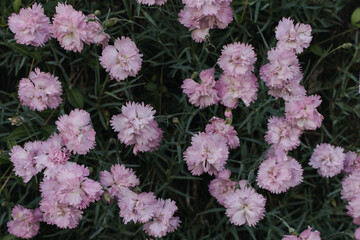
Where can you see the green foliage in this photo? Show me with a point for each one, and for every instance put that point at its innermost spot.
(170, 56)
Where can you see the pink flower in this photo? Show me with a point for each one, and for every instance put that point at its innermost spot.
(357, 233)
(237, 59)
(120, 178)
(26, 223)
(305, 235)
(69, 27)
(76, 131)
(40, 91)
(200, 35)
(163, 221)
(354, 208)
(23, 160)
(204, 94)
(302, 111)
(279, 173)
(207, 153)
(351, 162)
(95, 32)
(136, 207)
(231, 89)
(245, 206)
(222, 186)
(293, 37)
(282, 133)
(218, 126)
(289, 91)
(31, 26)
(351, 186)
(152, 2)
(282, 69)
(136, 126)
(327, 159)
(122, 59)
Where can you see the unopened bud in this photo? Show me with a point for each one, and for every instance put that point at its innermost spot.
(107, 197)
(194, 75)
(175, 120)
(111, 22)
(347, 45)
(16, 121)
(97, 13)
(112, 140)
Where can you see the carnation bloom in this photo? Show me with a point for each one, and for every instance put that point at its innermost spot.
(278, 173)
(231, 89)
(351, 186)
(207, 153)
(245, 206)
(136, 126)
(204, 94)
(31, 26)
(302, 111)
(152, 2)
(327, 159)
(23, 160)
(222, 186)
(95, 32)
(237, 59)
(163, 221)
(293, 37)
(76, 131)
(357, 233)
(200, 35)
(119, 179)
(219, 126)
(305, 235)
(351, 162)
(282, 133)
(26, 223)
(283, 68)
(69, 27)
(40, 91)
(122, 59)
(136, 207)
(289, 91)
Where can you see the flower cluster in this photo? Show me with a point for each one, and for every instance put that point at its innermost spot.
(121, 59)
(26, 223)
(156, 215)
(40, 91)
(136, 126)
(201, 16)
(307, 234)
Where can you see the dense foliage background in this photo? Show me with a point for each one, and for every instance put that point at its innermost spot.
(170, 56)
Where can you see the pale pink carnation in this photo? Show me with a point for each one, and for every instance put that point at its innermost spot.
(120, 178)
(136, 126)
(353, 208)
(302, 111)
(327, 159)
(152, 2)
(40, 91)
(25, 223)
(23, 159)
(282, 133)
(69, 27)
(351, 186)
(293, 37)
(163, 221)
(237, 59)
(200, 35)
(351, 162)
(122, 59)
(219, 126)
(201, 94)
(222, 186)
(289, 91)
(231, 89)
(95, 32)
(357, 233)
(76, 131)
(136, 207)
(207, 153)
(31, 26)
(307, 234)
(278, 175)
(283, 68)
(245, 206)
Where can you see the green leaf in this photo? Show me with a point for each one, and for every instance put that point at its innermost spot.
(18, 133)
(4, 159)
(47, 130)
(24, 50)
(355, 17)
(316, 49)
(75, 97)
(17, 4)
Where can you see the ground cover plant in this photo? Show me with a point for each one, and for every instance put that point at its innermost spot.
(179, 119)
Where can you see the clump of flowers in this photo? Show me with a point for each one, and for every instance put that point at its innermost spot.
(351, 162)
(31, 26)
(136, 126)
(76, 131)
(327, 159)
(69, 27)
(207, 153)
(222, 186)
(95, 32)
(201, 94)
(245, 206)
(122, 59)
(307, 234)
(25, 223)
(219, 126)
(40, 91)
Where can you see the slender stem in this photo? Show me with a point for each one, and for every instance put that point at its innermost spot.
(3, 186)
